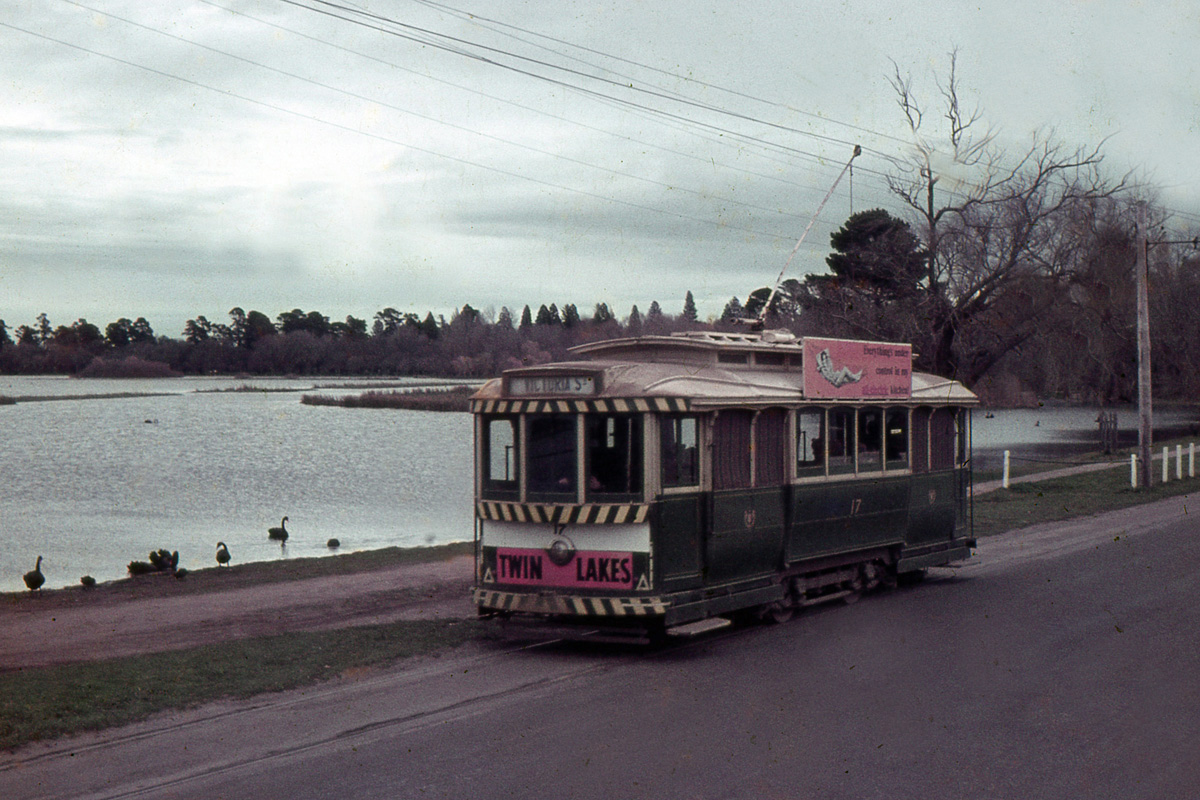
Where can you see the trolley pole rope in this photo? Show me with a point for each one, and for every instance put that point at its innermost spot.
(762, 316)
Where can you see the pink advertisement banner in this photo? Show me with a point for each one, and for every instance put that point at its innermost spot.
(846, 370)
(586, 569)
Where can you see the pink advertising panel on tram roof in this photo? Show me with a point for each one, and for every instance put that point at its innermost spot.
(846, 370)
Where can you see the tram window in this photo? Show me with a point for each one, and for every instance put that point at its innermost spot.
(841, 440)
(614, 456)
(680, 466)
(500, 457)
(810, 442)
(870, 439)
(896, 438)
(551, 457)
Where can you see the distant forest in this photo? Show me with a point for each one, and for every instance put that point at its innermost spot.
(298, 342)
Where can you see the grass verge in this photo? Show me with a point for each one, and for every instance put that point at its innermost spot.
(44, 703)
(1068, 497)
(221, 579)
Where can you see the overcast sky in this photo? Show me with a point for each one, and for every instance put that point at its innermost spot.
(182, 157)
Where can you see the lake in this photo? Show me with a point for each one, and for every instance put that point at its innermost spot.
(92, 484)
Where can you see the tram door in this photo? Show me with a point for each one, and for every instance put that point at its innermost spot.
(935, 493)
(747, 514)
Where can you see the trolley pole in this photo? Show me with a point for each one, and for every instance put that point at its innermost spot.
(1143, 337)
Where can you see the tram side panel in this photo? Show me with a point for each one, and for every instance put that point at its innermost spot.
(745, 540)
(846, 516)
(933, 508)
(680, 522)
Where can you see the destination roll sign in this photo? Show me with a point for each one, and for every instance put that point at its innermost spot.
(523, 385)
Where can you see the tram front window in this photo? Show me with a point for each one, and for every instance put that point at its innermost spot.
(551, 458)
(614, 457)
(500, 458)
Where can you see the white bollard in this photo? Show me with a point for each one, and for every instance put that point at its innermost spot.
(1166, 466)
(1006, 463)
(1133, 470)
(1178, 462)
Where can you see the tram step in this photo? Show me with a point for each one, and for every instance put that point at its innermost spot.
(700, 626)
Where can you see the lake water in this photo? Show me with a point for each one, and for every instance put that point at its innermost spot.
(1062, 433)
(92, 484)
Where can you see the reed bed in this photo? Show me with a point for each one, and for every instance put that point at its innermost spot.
(454, 399)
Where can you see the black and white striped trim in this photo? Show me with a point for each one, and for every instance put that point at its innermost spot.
(617, 405)
(588, 514)
(566, 604)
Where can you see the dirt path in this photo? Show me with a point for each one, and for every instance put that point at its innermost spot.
(72, 626)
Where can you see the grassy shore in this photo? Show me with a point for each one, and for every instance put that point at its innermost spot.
(48, 702)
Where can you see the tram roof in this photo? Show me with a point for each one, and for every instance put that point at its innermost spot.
(704, 369)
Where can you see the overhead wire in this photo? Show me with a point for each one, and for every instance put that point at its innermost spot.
(389, 140)
(419, 115)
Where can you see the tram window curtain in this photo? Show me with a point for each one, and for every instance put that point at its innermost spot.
(770, 447)
(941, 438)
(920, 439)
(731, 450)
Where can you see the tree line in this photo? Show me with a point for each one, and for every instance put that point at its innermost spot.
(471, 343)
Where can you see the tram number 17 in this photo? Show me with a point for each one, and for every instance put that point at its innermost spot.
(855, 506)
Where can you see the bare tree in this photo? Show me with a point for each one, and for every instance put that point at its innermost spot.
(996, 228)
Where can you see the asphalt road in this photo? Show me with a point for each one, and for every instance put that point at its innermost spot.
(1062, 662)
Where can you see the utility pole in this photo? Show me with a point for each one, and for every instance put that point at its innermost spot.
(1143, 336)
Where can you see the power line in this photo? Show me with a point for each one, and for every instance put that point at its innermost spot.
(389, 140)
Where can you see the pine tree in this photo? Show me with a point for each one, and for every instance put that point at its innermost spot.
(689, 308)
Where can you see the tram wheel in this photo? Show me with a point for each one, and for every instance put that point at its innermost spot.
(780, 611)
(854, 588)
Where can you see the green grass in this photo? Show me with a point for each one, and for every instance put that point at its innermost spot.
(1069, 497)
(47, 702)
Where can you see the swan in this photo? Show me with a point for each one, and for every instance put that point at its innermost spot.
(34, 578)
(223, 556)
(280, 533)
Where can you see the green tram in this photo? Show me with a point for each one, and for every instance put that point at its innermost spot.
(664, 481)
